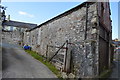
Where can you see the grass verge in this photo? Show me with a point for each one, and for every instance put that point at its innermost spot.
(42, 59)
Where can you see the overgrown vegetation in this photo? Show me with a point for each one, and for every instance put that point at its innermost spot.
(42, 59)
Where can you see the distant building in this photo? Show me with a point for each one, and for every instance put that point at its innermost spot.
(116, 42)
(11, 28)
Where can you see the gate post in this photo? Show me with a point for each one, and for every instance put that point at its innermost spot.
(68, 58)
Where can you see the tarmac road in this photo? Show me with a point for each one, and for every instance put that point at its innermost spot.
(115, 75)
(16, 63)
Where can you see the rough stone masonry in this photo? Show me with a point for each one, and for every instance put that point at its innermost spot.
(88, 30)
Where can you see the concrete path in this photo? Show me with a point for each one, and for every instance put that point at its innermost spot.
(16, 63)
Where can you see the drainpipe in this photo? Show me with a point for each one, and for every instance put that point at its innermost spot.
(98, 40)
(86, 21)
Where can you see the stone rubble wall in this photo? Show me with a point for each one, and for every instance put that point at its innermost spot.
(15, 36)
(71, 27)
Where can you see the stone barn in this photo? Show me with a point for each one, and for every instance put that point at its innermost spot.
(77, 41)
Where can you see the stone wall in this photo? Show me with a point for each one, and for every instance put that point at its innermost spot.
(80, 26)
(15, 36)
(73, 28)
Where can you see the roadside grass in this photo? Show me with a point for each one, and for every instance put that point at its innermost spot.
(45, 62)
